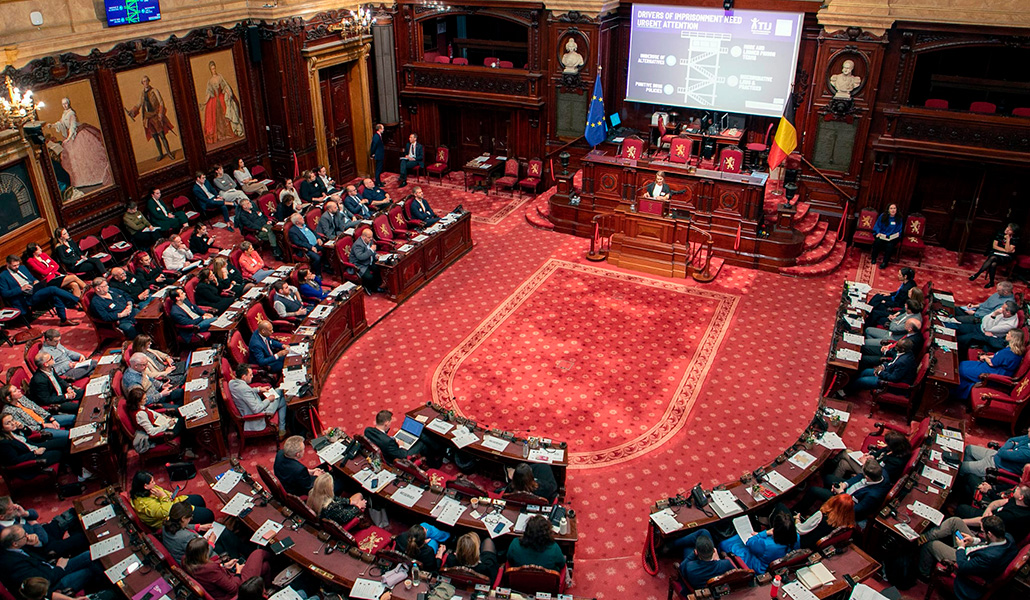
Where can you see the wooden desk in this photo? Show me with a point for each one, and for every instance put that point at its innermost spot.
(94, 451)
(153, 322)
(942, 376)
(480, 171)
(511, 456)
(427, 259)
(207, 431)
(839, 372)
(854, 562)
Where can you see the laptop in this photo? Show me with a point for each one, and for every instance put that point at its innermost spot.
(409, 432)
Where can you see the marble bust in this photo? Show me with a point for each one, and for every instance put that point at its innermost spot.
(571, 60)
(845, 82)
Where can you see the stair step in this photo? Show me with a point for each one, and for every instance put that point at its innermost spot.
(802, 211)
(543, 209)
(538, 212)
(808, 224)
(824, 267)
(820, 252)
(815, 237)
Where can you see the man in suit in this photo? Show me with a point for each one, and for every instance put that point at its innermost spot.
(312, 189)
(883, 304)
(48, 390)
(355, 204)
(378, 152)
(17, 565)
(135, 288)
(363, 256)
(20, 288)
(162, 217)
(156, 393)
(306, 243)
(413, 158)
(252, 400)
(380, 436)
(378, 198)
(868, 489)
(185, 313)
(985, 555)
(265, 350)
(295, 477)
(64, 358)
(113, 306)
(210, 198)
(333, 222)
(327, 182)
(902, 369)
(420, 209)
(658, 189)
(250, 219)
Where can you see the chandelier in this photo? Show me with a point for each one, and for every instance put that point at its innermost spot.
(17, 107)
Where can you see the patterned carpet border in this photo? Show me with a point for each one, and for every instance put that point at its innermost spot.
(869, 273)
(680, 405)
(515, 204)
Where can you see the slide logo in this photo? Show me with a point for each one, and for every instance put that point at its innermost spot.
(760, 27)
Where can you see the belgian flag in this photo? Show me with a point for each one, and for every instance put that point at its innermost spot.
(786, 139)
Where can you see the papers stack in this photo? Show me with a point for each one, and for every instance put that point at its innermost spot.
(909, 533)
(941, 329)
(106, 546)
(802, 459)
(951, 443)
(939, 477)
(862, 306)
(300, 349)
(239, 503)
(321, 311)
(96, 517)
(203, 357)
(778, 481)
(118, 571)
(287, 593)
(196, 385)
(463, 437)
(307, 330)
(98, 385)
(227, 481)
(266, 532)
(853, 338)
(83, 430)
(947, 344)
(372, 481)
(944, 297)
(831, 441)
(848, 355)
(253, 293)
(448, 511)
(796, 591)
(224, 320)
(366, 589)
(332, 453)
(109, 359)
(854, 322)
(193, 410)
(343, 288)
(406, 248)
(725, 503)
(420, 238)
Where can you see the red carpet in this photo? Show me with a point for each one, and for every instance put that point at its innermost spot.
(750, 346)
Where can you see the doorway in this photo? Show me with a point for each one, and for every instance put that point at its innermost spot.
(335, 88)
(474, 130)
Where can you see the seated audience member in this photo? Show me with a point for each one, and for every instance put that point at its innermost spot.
(296, 478)
(61, 536)
(838, 511)
(17, 565)
(985, 492)
(153, 503)
(1003, 251)
(69, 364)
(142, 233)
(226, 185)
(420, 209)
(312, 190)
(883, 303)
(252, 221)
(151, 422)
(380, 436)
(424, 543)
(287, 301)
(469, 552)
(377, 197)
(133, 287)
(887, 234)
(148, 272)
(254, 589)
(363, 257)
(210, 198)
(248, 183)
(887, 350)
(289, 201)
(253, 400)
(156, 394)
(536, 547)
(893, 453)
(221, 580)
(901, 369)
(983, 556)
(310, 286)
(162, 216)
(200, 241)
(48, 390)
(700, 560)
(766, 546)
(251, 263)
(327, 505)
(176, 255)
(413, 159)
(306, 243)
(21, 290)
(113, 306)
(327, 182)
(160, 366)
(867, 488)
(356, 205)
(178, 531)
(48, 271)
(32, 416)
(185, 313)
(266, 351)
(1014, 511)
(896, 327)
(71, 258)
(1003, 362)
(535, 478)
(229, 278)
(333, 222)
(38, 588)
(17, 448)
(975, 314)
(1012, 456)
(208, 294)
(990, 331)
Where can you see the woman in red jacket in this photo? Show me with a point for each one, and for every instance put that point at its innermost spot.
(47, 269)
(222, 580)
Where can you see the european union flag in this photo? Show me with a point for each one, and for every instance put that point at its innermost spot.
(596, 130)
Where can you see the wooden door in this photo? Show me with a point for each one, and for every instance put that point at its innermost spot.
(484, 131)
(944, 193)
(339, 131)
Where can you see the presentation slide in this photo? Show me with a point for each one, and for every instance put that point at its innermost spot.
(126, 12)
(739, 61)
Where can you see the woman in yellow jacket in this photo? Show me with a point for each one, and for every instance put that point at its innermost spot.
(152, 502)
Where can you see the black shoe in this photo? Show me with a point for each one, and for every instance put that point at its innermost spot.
(883, 266)
(382, 290)
(973, 277)
(988, 285)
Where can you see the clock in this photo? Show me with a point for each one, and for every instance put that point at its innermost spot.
(17, 198)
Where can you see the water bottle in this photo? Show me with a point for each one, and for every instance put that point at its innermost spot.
(774, 591)
(416, 575)
(525, 449)
(563, 526)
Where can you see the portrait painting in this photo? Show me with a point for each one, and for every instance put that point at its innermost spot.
(218, 100)
(74, 139)
(150, 115)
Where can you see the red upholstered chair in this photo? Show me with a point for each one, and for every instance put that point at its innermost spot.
(632, 148)
(936, 103)
(258, 172)
(442, 164)
(460, 61)
(30, 475)
(739, 577)
(505, 64)
(399, 223)
(347, 269)
(407, 213)
(291, 251)
(268, 203)
(464, 485)
(903, 394)
(163, 445)
(916, 433)
(994, 404)
(983, 107)
(467, 578)
(272, 483)
(794, 558)
(368, 447)
(234, 258)
(382, 233)
(524, 499)
(116, 381)
(444, 60)
(1023, 111)
(256, 313)
(491, 61)
(838, 538)
(680, 149)
(183, 203)
(339, 532)
(997, 380)
(311, 218)
(31, 350)
(511, 175)
(116, 243)
(19, 376)
(92, 246)
(945, 578)
(190, 287)
(384, 229)
(532, 579)
(864, 227)
(239, 351)
(534, 176)
(105, 332)
(239, 421)
(191, 335)
(912, 236)
(756, 150)
(730, 160)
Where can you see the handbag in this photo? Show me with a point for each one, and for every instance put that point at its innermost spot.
(395, 575)
(181, 471)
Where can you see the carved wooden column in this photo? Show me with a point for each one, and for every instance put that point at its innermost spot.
(286, 94)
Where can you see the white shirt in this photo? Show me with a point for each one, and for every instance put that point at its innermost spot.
(1000, 324)
(174, 258)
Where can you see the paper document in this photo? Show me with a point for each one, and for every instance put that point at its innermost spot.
(266, 532)
(742, 525)
(523, 518)
(217, 529)
(778, 481)
(941, 329)
(953, 434)
(106, 546)
(227, 481)
(854, 322)
(848, 355)
(856, 455)
(119, 570)
(666, 520)
(831, 441)
(287, 593)
(97, 385)
(239, 503)
(725, 503)
(83, 430)
(939, 477)
(332, 453)
(196, 385)
(373, 481)
(802, 459)
(109, 359)
(944, 297)
(440, 426)
(927, 512)
(909, 533)
(864, 592)
(796, 591)
(853, 338)
(96, 517)
(366, 589)
(815, 576)
(203, 357)
(862, 306)
(420, 238)
(546, 455)
(253, 293)
(495, 443)
(321, 311)
(463, 437)
(408, 495)
(950, 443)
(840, 414)
(450, 511)
(406, 248)
(193, 410)
(497, 524)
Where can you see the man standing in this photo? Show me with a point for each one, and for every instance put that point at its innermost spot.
(155, 118)
(23, 291)
(377, 197)
(162, 217)
(355, 204)
(252, 400)
(412, 159)
(63, 357)
(363, 256)
(378, 152)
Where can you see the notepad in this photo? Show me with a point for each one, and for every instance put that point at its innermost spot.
(227, 481)
(814, 576)
(440, 426)
(98, 550)
(725, 503)
(266, 532)
(408, 495)
(96, 517)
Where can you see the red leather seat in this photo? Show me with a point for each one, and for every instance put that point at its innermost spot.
(983, 107)
(903, 394)
(116, 243)
(534, 176)
(730, 160)
(399, 223)
(442, 164)
(936, 103)
(268, 203)
(511, 175)
(680, 149)
(444, 60)
(632, 148)
(532, 579)
(460, 61)
(994, 404)
(864, 227)
(407, 213)
(384, 231)
(311, 218)
(347, 269)
(183, 203)
(912, 235)
(256, 313)
(755, 150)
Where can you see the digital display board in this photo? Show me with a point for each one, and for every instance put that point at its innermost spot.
(127, 12)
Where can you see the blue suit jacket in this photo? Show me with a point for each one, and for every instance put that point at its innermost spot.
(426, 215)
(182, 319)
(298, 239)
(419, 154)
(359, 210)
(198, 193)
(902, 369)
(377, 149)
(11, 291)
(868, 499)
(986, 563)
(260, 355)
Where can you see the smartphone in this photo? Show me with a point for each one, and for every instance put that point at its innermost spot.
(498, 527)
(375, 483)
